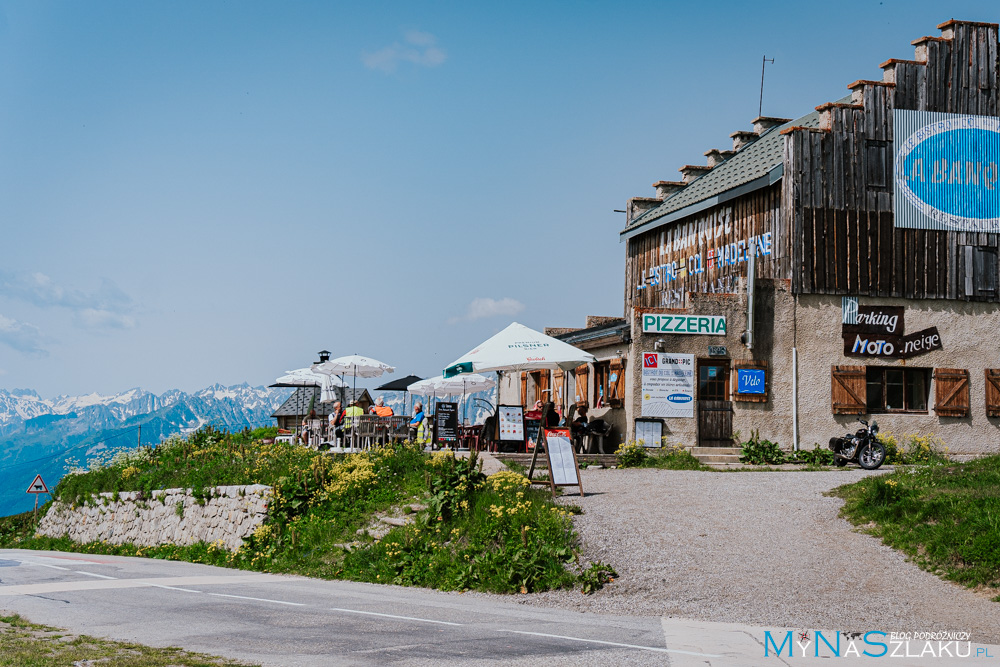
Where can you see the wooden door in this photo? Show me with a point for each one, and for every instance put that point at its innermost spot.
(715, 410)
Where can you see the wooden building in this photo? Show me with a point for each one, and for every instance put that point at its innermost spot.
(871, 226)
(304, 400)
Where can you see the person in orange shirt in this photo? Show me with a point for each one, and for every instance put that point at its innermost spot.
(381, 409)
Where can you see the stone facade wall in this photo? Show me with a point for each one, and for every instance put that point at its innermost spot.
(812, 324)
(172, 516)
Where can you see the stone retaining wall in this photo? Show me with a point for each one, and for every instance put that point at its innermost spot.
(227, 513)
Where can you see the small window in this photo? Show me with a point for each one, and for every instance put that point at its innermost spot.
(876, 169)
(891, 389)
(981, 271)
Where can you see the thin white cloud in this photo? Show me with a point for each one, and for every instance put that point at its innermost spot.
(483, 306)
(417, 47)
(21, 336)
(106, 307)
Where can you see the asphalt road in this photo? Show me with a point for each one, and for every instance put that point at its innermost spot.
(295, 621)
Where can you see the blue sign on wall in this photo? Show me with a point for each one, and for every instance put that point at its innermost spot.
(750, 381)
(946, 171)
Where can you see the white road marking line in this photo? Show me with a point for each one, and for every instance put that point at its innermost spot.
(91, 574)
(405, 618)
(174, 588)
(244, 597)
(54, 567)
(598, 641)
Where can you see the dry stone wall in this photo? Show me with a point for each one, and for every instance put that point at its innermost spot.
(225, 515)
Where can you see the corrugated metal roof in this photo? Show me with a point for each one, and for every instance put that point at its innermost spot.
(307, 398)
(750, 163)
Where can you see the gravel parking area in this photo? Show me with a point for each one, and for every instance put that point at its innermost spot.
(760, 548)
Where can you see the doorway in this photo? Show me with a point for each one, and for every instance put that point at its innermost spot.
(715, 410)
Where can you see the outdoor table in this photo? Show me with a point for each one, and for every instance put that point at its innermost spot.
(469, 437)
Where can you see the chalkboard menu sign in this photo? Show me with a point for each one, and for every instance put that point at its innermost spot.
(446, 422)
(531, 427)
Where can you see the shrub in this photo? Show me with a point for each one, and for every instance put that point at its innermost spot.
(595, 576)
(631, 455)
(816, 456)
(759, 452)
(917, 449)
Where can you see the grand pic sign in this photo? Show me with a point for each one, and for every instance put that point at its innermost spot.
(946, 171)
(705, 325)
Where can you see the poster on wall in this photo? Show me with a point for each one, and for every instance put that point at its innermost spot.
(946, 171)
(649, 432)
(667, 385)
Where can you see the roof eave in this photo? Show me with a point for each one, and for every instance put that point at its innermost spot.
(768, 179)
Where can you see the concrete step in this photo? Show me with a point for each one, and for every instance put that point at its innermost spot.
(716, 451)
(719, 458)
(726, 466)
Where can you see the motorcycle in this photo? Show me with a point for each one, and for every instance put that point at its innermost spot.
(862, 447)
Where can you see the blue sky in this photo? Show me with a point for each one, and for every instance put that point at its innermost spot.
(200, 192)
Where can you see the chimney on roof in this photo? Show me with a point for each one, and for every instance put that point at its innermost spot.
(666, 188)
(742, 138)
(693, 171)
(717, 157)
(636, 206)
(762, 124)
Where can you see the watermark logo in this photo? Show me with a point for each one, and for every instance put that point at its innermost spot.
(872, 644)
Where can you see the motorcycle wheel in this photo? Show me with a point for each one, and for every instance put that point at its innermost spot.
(872, 456)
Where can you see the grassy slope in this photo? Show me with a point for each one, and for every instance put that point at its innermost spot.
(24, 644)
(492, 534)
(946, 517)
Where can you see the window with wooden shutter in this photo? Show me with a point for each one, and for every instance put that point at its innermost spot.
(993, 392)
(542, 388)
(951, 392)
(751, 366)
(616, 383)
(558, 377)
(848, 394)
(524, 388)
(582, 376)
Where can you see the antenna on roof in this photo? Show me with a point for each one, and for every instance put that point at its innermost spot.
(760, 107)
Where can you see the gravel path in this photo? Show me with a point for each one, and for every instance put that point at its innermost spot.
(760, 548)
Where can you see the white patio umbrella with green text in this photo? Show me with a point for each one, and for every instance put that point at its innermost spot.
(458, 384)
(519, 348)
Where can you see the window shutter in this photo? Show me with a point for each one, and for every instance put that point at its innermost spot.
(992, 392)
(541, 392)
(557, 388)
(951, 392)
(751, 398)
(582, 373)
(616, 389)
(849, 390)
(524, 388)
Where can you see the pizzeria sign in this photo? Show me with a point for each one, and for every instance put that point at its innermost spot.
(706, 325)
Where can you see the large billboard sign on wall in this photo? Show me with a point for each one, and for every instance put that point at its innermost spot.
(946, 171)
(667, 385)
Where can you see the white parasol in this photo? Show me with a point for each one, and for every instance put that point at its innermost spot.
(354, 365)
(518, 348)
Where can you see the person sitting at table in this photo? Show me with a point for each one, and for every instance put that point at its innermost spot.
(336, 421)
(535, 412)
(579, 425)
(353, 410)
(417, 423)
(551, 417)
(381, 409)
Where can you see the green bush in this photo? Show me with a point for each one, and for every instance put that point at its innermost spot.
(759, 452)
(595, 576)
(816, 456)
(916, 449)
(631, 455)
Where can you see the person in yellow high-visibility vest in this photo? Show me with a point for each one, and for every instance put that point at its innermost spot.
(353, 410)
(417, 423)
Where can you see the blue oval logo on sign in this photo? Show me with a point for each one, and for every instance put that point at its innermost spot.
(950, 171)
(679, 398)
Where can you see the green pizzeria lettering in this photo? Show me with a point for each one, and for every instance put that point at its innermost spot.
(706, 325)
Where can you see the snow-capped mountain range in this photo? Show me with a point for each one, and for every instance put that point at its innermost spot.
(38, 434)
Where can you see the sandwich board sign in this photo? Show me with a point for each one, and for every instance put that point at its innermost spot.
(564, 469)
